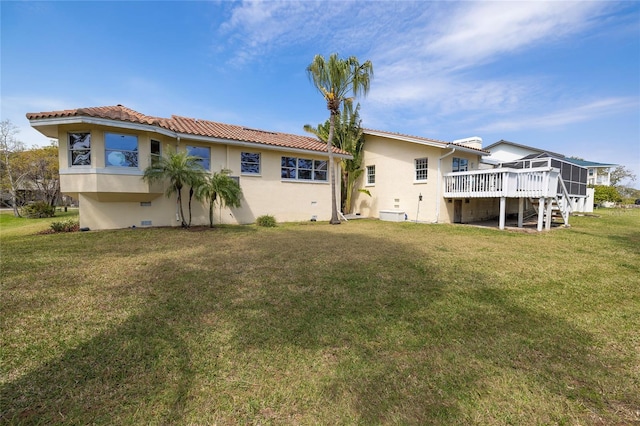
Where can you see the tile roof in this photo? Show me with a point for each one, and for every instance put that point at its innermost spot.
(421, 138)
(193, 126)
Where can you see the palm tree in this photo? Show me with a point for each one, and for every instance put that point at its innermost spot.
(348, 137)
(336, 79)
(179, 169)
(219, 187)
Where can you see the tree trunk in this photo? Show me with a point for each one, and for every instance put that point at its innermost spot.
(190, 198)
(210, 213)
(334, 209)
(183, 223)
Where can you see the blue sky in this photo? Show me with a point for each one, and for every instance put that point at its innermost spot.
(562, 76)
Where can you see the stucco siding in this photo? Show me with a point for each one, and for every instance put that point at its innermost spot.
(117, 197)
(395, 185)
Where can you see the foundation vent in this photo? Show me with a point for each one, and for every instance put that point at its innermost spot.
(145, 223)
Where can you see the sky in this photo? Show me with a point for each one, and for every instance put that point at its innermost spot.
(558, 75)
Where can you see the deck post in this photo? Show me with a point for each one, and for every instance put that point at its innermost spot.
(520, 212)
(540, 213)
(549, 215)
(503, 210)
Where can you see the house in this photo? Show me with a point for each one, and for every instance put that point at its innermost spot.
(104, 150)
(426, 180)
(505, 151)
(404, 175)
(597, 173)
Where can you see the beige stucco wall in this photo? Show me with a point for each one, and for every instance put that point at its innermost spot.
(396, 188)
(111, 197)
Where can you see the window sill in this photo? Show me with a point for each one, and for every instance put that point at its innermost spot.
(304, 181)
(418, 182)
(111, 170)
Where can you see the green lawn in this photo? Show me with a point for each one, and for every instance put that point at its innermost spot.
(364, 323)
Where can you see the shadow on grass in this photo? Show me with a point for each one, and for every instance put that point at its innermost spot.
(412, 341)
(104, 380)
(417, 347)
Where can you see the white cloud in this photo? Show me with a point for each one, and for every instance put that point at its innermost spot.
(581, 113)
(483, 31)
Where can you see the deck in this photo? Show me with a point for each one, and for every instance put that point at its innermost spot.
(502, 182)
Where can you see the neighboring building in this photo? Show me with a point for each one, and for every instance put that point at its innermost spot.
(104, 150)
(597, 173)
(506, 152)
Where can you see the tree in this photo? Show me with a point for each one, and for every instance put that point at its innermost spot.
(39, 169)
(336, 79)
(606, 193)
(11, 178)
(619, 174)
(348, 137)
(179, 169)
(219, 187)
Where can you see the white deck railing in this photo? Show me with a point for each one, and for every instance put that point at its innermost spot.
(502, 182)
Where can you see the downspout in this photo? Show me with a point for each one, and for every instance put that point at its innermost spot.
(177, 206)
(439, 187)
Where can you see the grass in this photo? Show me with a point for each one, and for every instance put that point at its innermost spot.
(364, 323)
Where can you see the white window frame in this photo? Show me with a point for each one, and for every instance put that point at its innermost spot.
(420, 169)
(136, 151)
(151, 154)
(371, 175)
(71, 150)
(204, 147)
(459, 168)
(259, 164)
(314, 170)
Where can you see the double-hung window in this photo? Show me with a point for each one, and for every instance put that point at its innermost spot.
(121, 150)
(422, 167)
(202, 153)
(460, 165)
(371, 175)
(80, 149)
(250, 163)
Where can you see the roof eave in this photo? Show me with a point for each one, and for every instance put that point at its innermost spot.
(58, 121)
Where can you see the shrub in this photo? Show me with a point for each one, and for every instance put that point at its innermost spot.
(267, 221)
(604, 193)
(38, 209)
(69, 225)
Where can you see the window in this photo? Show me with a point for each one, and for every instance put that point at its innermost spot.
(121, 150)
(303, 169)
(320, 170)
(371, 175)
(203, 154)
(80, 149)
(155, 152)
(460, 165)
(250, 163)
(422, 168)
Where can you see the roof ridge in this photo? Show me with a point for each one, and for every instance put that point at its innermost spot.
(407, 135)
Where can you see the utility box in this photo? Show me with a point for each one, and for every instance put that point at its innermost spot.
(391, 215)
